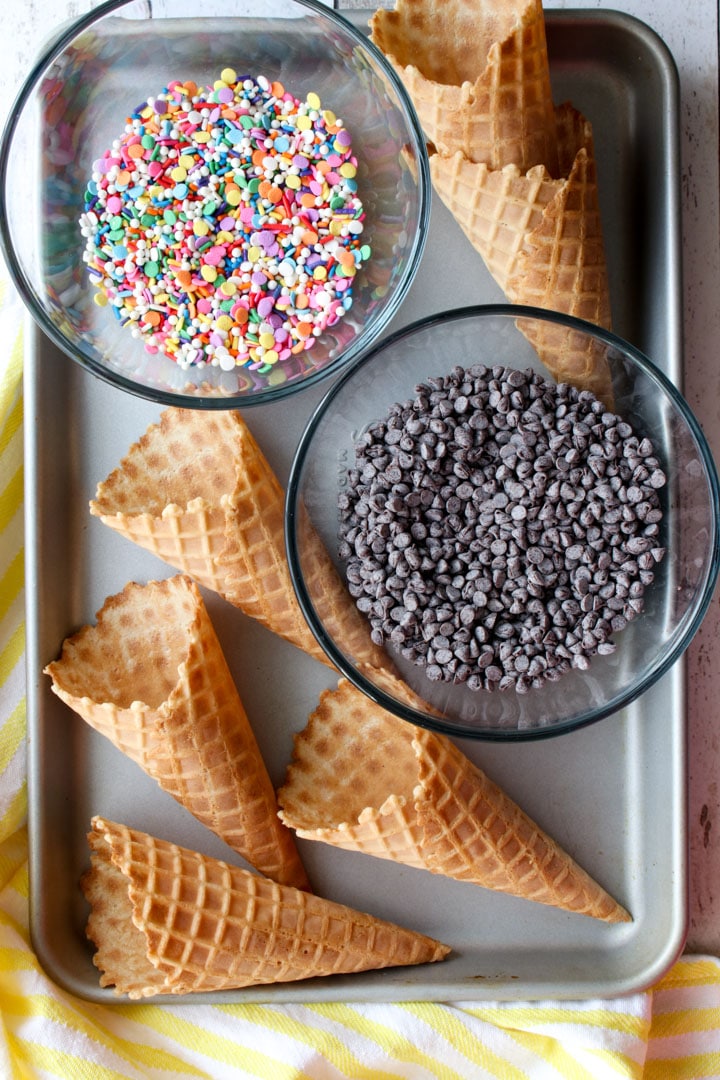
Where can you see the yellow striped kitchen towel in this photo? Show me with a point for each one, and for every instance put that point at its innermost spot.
(671, 1031)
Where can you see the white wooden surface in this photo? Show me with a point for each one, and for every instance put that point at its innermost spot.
(691, 32)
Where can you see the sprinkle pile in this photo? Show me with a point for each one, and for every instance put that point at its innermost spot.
(224, 226)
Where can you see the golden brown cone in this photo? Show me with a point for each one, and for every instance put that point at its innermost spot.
(197, 491)
(167, 920)
(562, 262)
(517, 173)
(171, 493)
(151, 676)
(542, 241)
(364, 780)
(496, 209)
(478, 76)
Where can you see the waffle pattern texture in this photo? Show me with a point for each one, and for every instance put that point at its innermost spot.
(151, 676)
(516, 171)
(221, 521)
(169, 920)
(672, 1029)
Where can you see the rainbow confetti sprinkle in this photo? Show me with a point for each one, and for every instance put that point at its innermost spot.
(224, 227)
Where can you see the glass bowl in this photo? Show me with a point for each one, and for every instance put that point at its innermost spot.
(73, 106)
(589, 533)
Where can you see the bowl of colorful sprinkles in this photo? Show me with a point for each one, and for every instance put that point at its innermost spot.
(213, 210)
(524, 509)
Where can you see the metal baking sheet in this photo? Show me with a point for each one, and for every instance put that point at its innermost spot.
(613, 794)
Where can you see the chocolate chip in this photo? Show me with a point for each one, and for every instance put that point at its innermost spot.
(487, 510)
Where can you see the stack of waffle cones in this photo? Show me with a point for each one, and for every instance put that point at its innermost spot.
(517, 172)
(151, 677)
(365, 781)
(167, 920)
(197, 491)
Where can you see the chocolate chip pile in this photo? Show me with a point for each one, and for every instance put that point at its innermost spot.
(498, 529)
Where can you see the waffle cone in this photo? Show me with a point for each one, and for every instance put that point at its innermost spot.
(496, 209)
(167, 920)
(542, 241)
(197, 491)
(152, 678)
(517, 173)
(478, 76)
(363, 780)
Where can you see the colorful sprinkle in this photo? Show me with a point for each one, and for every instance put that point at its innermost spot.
(224, 226)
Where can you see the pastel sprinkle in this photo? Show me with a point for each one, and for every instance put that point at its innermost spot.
(224, 225)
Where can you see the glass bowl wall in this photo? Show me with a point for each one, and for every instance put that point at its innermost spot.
(74, 104)
(673, 605)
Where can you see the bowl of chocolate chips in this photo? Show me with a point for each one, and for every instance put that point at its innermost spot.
(523, 508)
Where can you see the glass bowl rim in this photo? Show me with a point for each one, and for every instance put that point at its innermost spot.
(355, 351)
(446, 727)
